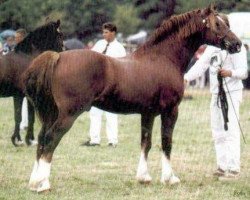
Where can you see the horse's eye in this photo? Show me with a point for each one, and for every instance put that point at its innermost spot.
(217, 24)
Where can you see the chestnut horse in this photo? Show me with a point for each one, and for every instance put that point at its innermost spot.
(15, 63)
(148, 82)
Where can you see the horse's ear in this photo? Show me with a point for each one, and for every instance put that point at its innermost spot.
(58, 22)
(212, 7)
(207, 11)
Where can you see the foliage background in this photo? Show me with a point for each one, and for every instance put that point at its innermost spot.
(83, 18)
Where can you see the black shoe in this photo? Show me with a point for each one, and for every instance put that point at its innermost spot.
(89, 144)
(219, 172)
(112, 145)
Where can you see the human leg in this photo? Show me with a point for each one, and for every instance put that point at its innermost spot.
(218, 134)
(112, 128)
(95, 125)
(24, 122)
(233, 137)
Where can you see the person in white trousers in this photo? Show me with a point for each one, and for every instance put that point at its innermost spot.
(19, 36)
(110, 47)
(233, 68)
(24, 122)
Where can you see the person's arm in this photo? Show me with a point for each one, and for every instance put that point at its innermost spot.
(240, 65)
(200, 66)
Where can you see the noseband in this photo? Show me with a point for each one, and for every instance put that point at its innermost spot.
(222, 37)
(219, 38)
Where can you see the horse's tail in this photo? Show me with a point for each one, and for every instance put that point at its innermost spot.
(38, 81)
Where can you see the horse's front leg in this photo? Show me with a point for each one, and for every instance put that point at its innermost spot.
(47, 142)
(168, 120)
(147, 121)
(30, 139)
(16, 138)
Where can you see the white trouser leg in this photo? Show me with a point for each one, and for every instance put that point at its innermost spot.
(24, 122)
(112, 127)
(95, 125)
(233, 139)
(219, 134)
(227, 143)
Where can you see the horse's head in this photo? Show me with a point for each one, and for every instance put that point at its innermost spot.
(217, 31)
(46, 37)
(49, 37)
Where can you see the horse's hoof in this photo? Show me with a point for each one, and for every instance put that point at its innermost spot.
(18, 143)
(172, 180)
(44, 186)
(146, 179)
(41, 186)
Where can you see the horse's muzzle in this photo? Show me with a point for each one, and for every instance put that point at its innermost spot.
(232, 47)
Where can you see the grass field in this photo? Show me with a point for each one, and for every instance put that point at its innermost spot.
(107, 173)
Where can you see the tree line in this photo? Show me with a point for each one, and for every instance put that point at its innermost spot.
(83, 18)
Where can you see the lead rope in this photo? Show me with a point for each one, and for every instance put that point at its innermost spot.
(222, 98)
(230, 97)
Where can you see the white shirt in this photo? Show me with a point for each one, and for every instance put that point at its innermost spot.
(213, 58)
(115, 49)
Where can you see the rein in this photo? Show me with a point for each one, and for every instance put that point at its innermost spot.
(222, 98)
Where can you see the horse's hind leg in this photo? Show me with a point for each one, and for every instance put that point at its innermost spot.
(45, 126)
(47, 142)
(168, 120)
(16, 138)
(147, 121)
(30, 139)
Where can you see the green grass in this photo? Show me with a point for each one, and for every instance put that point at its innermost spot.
(106, 173)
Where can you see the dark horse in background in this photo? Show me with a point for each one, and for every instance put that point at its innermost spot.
(12, 66)
(148, 82)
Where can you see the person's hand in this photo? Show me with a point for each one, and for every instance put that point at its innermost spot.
(225, 73)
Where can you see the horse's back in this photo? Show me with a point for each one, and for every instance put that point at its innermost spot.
(79, 74)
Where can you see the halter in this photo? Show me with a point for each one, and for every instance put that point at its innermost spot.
(220, 38)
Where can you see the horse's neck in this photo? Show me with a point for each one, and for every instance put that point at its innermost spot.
(186, 49)
(176, 49)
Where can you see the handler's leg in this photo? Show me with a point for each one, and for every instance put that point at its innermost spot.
(95, 125)
(112, 128)
(24, 122)
(233, 137)
(219, 135)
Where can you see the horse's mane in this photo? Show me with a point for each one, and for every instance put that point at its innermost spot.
(39, 39)
(183, 24)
